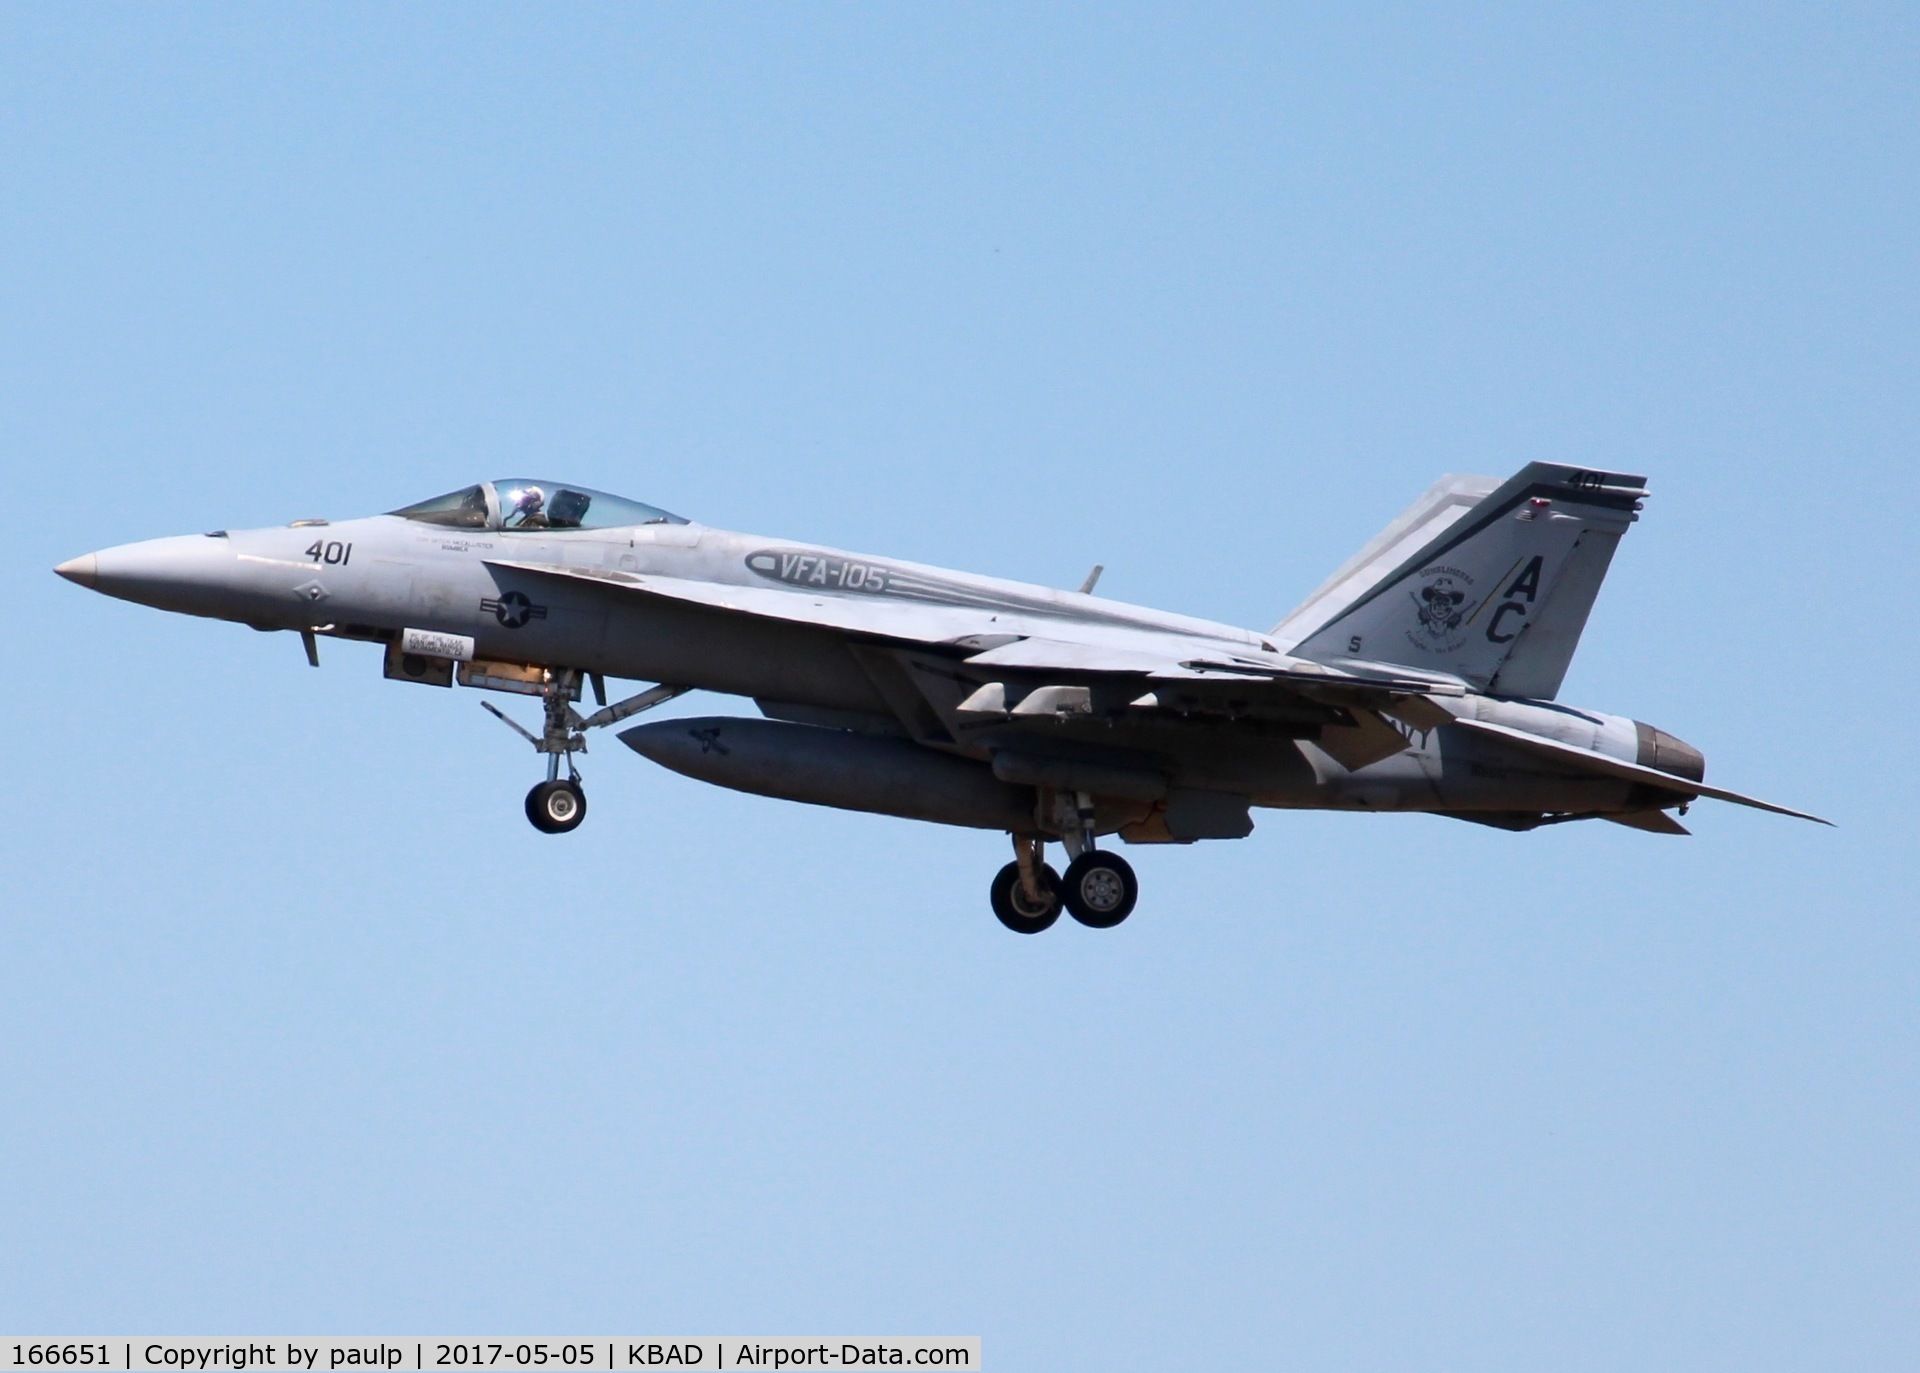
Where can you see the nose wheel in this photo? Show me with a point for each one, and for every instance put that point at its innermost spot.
(558, 806)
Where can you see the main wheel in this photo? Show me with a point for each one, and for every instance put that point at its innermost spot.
(1100, 889)
(1015, 911)
(556, 807)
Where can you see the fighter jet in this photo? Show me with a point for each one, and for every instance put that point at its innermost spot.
(1421, 676)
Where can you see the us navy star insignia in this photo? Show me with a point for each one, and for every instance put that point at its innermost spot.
(513, 609)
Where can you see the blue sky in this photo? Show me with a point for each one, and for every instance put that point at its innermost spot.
(303, 1029)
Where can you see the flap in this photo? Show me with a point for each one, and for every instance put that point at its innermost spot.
(1060, 655)
(1190, 662)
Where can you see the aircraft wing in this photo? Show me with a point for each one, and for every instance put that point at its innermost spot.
(994, 666)
(1586, 760)
(875, 615)
(1111, 651)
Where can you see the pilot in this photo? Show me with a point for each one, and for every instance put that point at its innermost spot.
(527, 504)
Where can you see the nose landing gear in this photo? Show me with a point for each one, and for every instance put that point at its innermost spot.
(558, 804)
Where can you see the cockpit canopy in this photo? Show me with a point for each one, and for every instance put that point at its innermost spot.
(522, 503)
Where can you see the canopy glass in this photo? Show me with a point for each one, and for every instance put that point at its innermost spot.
(522, 503)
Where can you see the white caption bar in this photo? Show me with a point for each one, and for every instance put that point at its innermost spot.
(603, 1355)
(429, 644)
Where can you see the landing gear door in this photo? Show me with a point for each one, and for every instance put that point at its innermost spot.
(421, 655)
(403, 666)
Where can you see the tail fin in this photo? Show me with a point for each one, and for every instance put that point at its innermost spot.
(1497, 596)
(1419, 524)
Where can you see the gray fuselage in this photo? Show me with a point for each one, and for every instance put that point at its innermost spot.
(372, 578)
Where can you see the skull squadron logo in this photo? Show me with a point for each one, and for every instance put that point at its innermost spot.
(1441, 605)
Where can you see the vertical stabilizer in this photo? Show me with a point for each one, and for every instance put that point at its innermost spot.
(1500, 595)
(1442, 505)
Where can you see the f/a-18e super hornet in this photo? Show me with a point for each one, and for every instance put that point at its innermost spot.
(1420, 677)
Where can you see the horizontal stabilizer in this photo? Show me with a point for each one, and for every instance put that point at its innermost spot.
(1652, 821)
(1604, 765)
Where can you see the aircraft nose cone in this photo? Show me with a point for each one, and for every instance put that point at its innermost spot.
(189, 573)
(83, 570)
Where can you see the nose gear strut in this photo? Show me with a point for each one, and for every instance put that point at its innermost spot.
(558, 805)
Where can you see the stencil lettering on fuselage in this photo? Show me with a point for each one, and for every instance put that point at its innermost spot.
(820, 570)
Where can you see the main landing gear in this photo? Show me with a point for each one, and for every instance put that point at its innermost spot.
(1026, 893)
(1099, 889)
(559, 804)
